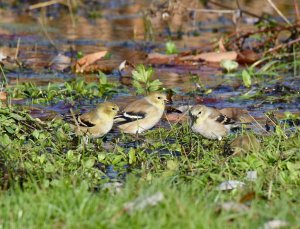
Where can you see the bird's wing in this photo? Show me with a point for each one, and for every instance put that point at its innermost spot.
(223, 119)
(219, 117)
(84, 120)
(134, 111)
(127, 117)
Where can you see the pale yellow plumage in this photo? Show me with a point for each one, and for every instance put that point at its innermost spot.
(142, 114)
(96, 122)
(209, 122)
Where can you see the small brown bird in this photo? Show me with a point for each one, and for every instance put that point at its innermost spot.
(96, 122)
(209, 122)
(244, 144)
(142, 114)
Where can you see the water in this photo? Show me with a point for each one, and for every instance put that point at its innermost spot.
(118, 27)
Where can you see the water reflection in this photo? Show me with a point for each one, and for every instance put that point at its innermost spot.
(42, 34)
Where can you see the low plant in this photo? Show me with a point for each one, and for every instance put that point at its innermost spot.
(70, 90)
(171, 48)
(142, 80)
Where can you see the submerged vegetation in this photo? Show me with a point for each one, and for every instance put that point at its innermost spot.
(169, 176)
(70, 91)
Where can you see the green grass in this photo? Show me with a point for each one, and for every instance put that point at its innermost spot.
(186, 204)
(55, 181)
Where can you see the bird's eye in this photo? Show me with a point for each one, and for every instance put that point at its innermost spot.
(159, 97)
(114, 108)
(199, 112)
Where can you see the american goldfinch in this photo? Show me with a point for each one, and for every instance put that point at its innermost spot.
(244, 144)
(96, 122)
(209, 122)
(142, 114)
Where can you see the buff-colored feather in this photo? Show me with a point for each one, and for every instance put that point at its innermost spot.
(142, 114)
(209, 122)
(96, 122)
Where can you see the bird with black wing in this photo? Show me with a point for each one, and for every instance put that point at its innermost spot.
(142, 114)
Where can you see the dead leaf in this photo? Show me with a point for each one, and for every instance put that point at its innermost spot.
(113, 187)
(122, 65)
(211, 56)
(247, 56)
(176, 117)
(88, 60)
(103, 65)
(247, 197)
(234, 207)
(143, 202)
(3, 95)
(251, 175)
(60, 62)
(274, 224)
(184, 108)
(158, 58)
(229, 185)
(221, 45)
(2, 56)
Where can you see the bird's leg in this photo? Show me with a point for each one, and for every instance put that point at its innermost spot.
(137, 135)
(86, 140)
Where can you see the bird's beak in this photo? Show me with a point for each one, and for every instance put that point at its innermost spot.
(193, 118)
(167, 101)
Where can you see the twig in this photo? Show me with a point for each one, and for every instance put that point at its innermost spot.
(74, 118)
(297, 12)
(4, 76)
(282, 46)
(258, 124)
(45, 4)
(276, 30)
(230, 8)
(18, 47)
(71, 14)
(47, 34)
(52, 2)
(270, 190)
(212, 11)
(279, 12)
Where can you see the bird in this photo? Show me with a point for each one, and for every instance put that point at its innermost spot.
(97, 122)
(209, 122)
(142, 114)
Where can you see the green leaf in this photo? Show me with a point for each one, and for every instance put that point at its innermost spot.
(142, 74)
(172, 165)
(49, 168)
(89, 163)
(246, 78)
(101, 157)
(229, 65)
(102, 78)
(17, 117)
(9, 129)
(117, 159)
(154, 85)
(42, 158)
(36, 134)
(132, 157)
(70, 155)
(5, 140)
(171, 48)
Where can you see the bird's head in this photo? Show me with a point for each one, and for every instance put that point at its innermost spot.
(198, 113)
(157, 99)
(107, 108)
